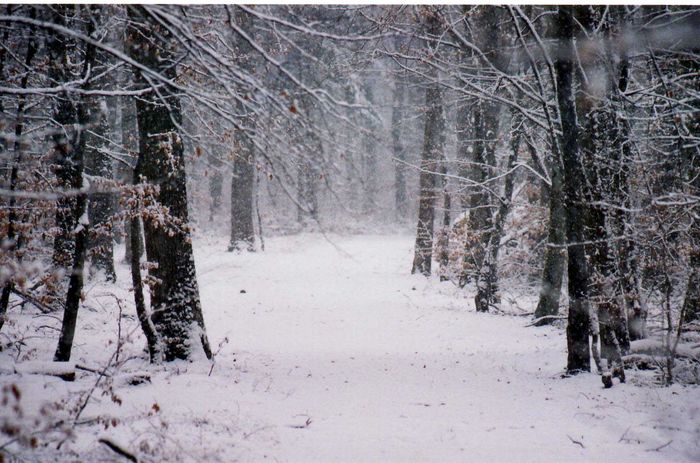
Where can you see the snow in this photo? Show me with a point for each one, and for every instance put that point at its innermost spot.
(336, 353)
(45, 368)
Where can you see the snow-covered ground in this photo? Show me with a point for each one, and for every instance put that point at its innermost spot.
(336, 353)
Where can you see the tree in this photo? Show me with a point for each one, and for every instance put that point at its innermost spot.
(72, 159)
(243, 178)
(176, 307)
(577, 330)
(398, 148)
(433, 145)
(13, 238)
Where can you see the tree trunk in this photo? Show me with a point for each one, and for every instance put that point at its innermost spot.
(397, 121)
(149, 331)
(577, 331)
(85, 119)
(68, 170)
(13, 238)
(600, 149)
(487, 278)
(130, 129)
(486, 132)
(242, 195)
(691, 157)
(307, 168)
(443, 235)
(177, 311)
(464, 157)
(433, 147)
(101, 205)
(216, 182)
(555, 252)
(369, 160)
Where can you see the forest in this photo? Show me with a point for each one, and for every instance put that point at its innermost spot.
(349, 232)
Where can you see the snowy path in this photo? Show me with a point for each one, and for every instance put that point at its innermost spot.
(343, 356)
(391, 367)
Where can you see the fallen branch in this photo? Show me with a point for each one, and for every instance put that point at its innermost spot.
(63, 370)
(43, 308)
(91, 370)
(118, 449)
(576, 442)
(660, 446)
(546, 317)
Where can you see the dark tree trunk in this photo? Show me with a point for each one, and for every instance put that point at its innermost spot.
(13, 238)
(369, 164)
(487, 278)
(75, 287)
(308, 169)
(130, 140)
(177, 311)
(433, 147)
(216, 183)
(149, 331)
(480, 214)
(306, 188)
(577, 331)
(600, 153)
(486, 132)
(85, 119)
(464, 158)
(628, 268)
(691, 302)
(243, 179)
(101, 205)
(397, 121)
(3, 59)
(555, 252)
(691, 157)
(443, 235)
(369, 161)
(242, 196)
(67, 168)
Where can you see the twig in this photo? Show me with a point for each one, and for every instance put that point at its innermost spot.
(546, 317)
(213, 357)
(576, 442)
(91, 370)
(660, 447)
(35, 302)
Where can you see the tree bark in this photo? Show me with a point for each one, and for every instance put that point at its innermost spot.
(13, 238)
(77, 150)
(149, 331)
(216, 181)
(177, 311)
(242, 193)
(433, 146)
(101, 205)
(577, 331)
(486, 133)
(487, 278)
(130, 140)
(243, 179)
(397, 121)
(555, 252)
(67, 169)
(691, 157)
